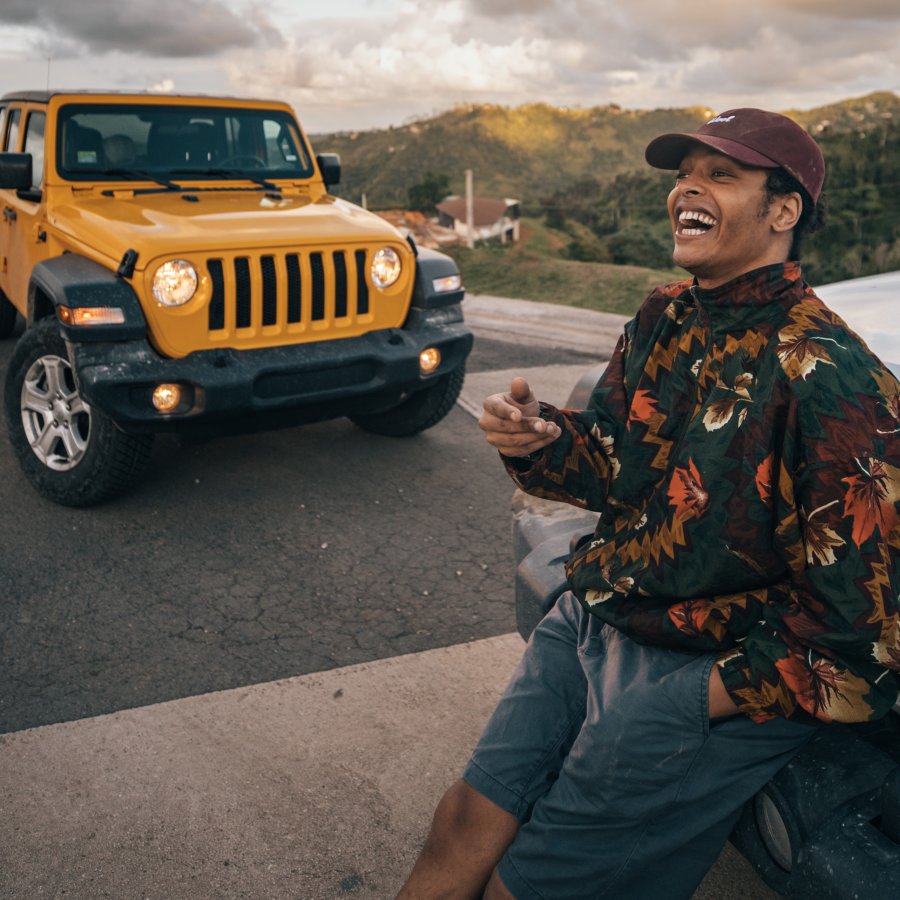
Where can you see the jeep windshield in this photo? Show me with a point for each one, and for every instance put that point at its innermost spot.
(112, 142)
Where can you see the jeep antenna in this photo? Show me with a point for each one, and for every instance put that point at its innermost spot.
(48, 72)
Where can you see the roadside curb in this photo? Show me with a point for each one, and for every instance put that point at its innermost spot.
(533, 323)
(541, 324)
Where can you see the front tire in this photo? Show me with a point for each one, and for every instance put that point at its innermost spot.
(72, 454)
(419, 411)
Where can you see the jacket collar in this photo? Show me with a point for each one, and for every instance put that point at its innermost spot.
(781, 283)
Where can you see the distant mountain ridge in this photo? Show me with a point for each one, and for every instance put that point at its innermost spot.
(536, 150)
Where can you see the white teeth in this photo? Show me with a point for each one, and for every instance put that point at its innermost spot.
(704, 219)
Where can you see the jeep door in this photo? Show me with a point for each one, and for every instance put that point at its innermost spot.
(9, 140)
(23, 238)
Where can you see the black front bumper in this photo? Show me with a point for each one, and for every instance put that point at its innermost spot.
(232, 390)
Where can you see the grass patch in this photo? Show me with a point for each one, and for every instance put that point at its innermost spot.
(536, 269)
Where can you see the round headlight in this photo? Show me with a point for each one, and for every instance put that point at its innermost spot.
(386, 267)
(175, 282)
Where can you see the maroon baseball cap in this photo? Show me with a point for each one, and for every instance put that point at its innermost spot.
(751, 136)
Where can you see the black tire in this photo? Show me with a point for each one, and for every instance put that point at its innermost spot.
(7, 317)
(768, 837)
(419, 411)
(72, 454)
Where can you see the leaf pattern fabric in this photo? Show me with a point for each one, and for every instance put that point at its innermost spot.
(686, 492)
(871, 498)
(743, 451)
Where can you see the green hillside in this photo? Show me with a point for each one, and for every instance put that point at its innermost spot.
(518, 152)
(538, 268)
(583, 171)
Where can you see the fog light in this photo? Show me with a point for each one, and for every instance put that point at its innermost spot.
(429, 360)
(166, 397)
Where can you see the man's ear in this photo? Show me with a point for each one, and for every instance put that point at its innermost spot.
(787, 209)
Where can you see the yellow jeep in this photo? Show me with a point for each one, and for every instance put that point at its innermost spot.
(181, 266)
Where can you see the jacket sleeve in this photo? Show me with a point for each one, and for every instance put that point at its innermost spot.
(579, 465)
(827, 646)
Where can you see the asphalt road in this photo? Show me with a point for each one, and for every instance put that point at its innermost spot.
(254, 558)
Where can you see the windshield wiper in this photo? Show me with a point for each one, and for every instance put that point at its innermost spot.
(140, 175)
(229, 173)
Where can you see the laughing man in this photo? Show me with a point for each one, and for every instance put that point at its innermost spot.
(740, 589)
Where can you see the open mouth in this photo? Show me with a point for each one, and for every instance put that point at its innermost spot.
(691, 223)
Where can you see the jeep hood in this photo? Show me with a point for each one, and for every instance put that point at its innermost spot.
(167, 224)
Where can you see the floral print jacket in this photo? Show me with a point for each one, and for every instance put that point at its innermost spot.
(743, 451)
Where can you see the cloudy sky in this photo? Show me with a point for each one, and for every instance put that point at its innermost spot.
(356, 64)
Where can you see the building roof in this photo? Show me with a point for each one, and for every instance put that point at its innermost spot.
(486, 210)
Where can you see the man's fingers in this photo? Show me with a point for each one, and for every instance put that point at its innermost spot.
(498, 405)
(528, 425)
(520, 391)
(516, 404)
(518, 444)
(512, 422)
(536, 425)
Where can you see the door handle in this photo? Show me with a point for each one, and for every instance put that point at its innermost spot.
(9, 214)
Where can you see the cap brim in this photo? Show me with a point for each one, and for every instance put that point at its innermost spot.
(668, 150)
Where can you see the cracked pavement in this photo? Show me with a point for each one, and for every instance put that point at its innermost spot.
(254, 558)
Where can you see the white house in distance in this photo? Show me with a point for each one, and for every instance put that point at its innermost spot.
(492, 218)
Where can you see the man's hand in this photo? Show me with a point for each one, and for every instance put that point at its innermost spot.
(511, 422)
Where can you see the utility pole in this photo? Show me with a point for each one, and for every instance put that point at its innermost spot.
(470, 211)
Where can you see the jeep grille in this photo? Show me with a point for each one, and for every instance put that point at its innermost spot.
(319, 289)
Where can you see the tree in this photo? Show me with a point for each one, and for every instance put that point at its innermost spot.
(637, 245)
(425, 195)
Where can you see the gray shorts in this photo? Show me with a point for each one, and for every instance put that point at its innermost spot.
(603, 749)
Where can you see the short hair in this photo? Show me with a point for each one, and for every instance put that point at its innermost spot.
(779, 183)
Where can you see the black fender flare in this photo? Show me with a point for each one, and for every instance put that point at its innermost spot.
(432, 265)
(74, 281)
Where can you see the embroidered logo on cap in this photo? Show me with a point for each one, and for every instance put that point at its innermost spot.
(720, 119)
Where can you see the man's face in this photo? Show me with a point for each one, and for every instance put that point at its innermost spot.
(721, 222)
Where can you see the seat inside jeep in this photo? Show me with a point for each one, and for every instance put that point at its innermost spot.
(83, 146)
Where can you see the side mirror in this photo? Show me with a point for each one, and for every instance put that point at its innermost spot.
(330, 167)
(15, 171)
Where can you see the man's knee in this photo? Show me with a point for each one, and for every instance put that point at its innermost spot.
(464, 809)
(468, 836)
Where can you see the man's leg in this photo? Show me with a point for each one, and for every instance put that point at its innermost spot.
(648, 790)
(468, 836)
(517, 759)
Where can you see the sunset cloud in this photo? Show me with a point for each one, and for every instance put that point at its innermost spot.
(164, 28)
(364, 63)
